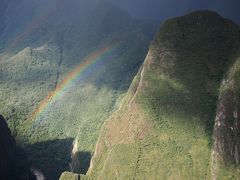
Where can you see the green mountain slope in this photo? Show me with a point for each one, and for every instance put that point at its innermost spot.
(163, 128)
(52, 39)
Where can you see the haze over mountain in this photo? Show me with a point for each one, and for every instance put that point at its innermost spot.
(68, 92)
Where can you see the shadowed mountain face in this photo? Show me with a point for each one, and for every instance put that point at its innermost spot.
(13, 161)
(7, 150)
(163, 128)
(63, 69)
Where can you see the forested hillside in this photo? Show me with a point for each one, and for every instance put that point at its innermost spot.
(62, 72)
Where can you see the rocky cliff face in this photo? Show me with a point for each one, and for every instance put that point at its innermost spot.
(226, 150)
(164, 127)
(227, 125)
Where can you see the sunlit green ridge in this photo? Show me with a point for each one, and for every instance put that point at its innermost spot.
(164, 126)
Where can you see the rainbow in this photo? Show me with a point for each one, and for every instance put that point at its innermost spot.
(71, 77)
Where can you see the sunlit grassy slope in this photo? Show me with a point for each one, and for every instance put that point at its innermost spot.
(163, 128)
(41, 52)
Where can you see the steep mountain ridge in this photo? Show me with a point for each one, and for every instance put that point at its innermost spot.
(164, 126)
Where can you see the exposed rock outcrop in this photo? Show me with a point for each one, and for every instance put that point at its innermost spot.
(226, 136)
(227, 126)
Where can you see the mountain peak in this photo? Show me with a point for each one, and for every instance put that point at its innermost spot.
(165, 123)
